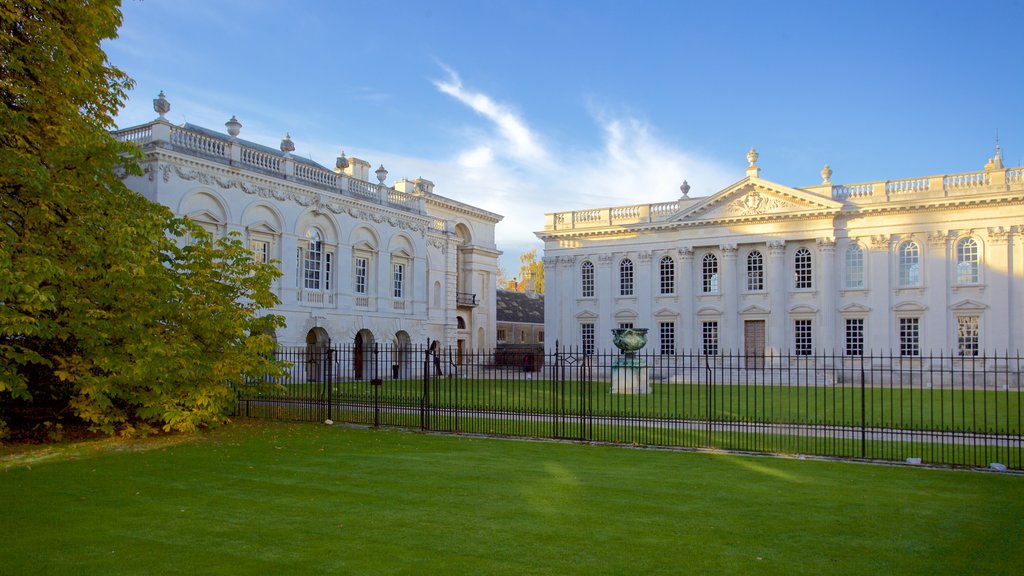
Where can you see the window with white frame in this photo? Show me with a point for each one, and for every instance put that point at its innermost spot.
(854, 336)
(803, 271)
(854, 270)
(260, 250)
(667, 337)
(317, 262)
(587, 337)
(626, 277)
(398, 277)
(967, 271)
(587, 279)
(709, 337)
(909, 261)
(709, 274)
(361, 276)
(667, 269)
(910, 336)
(968, 335)
(755, 271)
(803, 337)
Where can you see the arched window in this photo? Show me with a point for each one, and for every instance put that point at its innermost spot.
(316, 263)
(803, 272)
(854, 267)
(709, 274)
(755, 271)
(626, 277)
(909, 264)
(587, 279)
(667, 268)
(967, 261)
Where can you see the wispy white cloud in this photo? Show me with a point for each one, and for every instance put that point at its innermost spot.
(631, 164)
(521, 141)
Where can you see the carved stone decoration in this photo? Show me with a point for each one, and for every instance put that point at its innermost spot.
(938, 237)
(161, 105)
(752, 156)
(604, 259)
(880, 242)
(287, 146)
(567, 261)
(754, 203)
(998, 235)
(728, 250)
(826, 244)
(341, 163)
(685, 189)
(826, 175)
(776, 247)
(686, 252)
(644, 257)
(234, 127)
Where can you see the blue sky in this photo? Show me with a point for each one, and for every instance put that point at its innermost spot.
(526, 107)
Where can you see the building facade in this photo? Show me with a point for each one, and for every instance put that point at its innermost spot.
(903, 267)
(362, 262)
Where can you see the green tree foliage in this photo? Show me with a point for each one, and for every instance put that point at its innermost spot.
(112, 311)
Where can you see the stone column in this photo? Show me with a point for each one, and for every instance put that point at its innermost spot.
(729, 285)
(645, 288)
(1015, 247)
(998, 333)
(606, 285)
(827, 297)
(687, 324)
(778, 287)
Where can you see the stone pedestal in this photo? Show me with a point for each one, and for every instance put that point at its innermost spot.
(630, 376)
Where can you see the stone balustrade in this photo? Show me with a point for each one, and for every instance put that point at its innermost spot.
(233, 152)
(947, 185)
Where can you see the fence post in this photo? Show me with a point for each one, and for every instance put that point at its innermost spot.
(330, 379)
(425, 397)
(709, 375)
(863, 411)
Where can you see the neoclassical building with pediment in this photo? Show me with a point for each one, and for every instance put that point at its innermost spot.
(902, 267)
(362, 261)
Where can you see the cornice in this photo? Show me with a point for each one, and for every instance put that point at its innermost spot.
(162, 163)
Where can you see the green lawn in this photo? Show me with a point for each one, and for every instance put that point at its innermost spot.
(909, 408)
(276, 498)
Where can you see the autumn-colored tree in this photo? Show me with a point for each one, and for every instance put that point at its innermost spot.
(108, 316)
(531, 271)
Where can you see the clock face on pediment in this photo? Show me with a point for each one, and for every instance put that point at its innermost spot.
(753, 200)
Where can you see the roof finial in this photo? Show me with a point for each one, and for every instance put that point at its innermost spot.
(753, 171)
(996, 163)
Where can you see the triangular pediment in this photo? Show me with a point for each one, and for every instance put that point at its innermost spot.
(968, 306)
(262, 227)
(754, 199)
(753, 309)
(205, 216)
(909, 307)
(855, 308)
(586, 315)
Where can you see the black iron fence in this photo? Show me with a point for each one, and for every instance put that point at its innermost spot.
(939, 409)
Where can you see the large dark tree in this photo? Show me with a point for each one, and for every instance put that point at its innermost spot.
(108, 317)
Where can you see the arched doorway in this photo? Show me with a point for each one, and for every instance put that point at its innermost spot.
(362, 346)
(317, 358)
(400, 360)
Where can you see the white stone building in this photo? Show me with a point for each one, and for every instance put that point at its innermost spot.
(903, 267)
(362, 262)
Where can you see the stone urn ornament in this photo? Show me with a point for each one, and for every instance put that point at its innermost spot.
(629, 374)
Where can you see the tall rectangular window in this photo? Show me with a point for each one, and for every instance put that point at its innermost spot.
(709, 274)
(803, 337)
(587, 280)
(854, 336)
(361, 270)
(313, 266)
(260, 251)
(667, 269)
(803, 271)
(854, 267)
(398, 273)
(968, 334)
(755, 271)
(667, 337)
(587, 337)
(709, 337)
(910, 336)
(626, 277)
